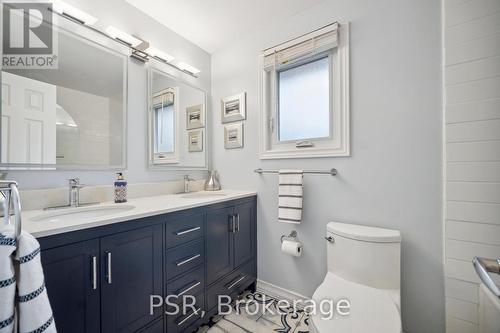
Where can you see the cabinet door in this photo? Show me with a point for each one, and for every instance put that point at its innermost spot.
(72, 281)
(219, 242)
(244, 236)
(131, 263)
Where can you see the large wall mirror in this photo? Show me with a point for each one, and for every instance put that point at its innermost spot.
(177, 123)
(73, 117)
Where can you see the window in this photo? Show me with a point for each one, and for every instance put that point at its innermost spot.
(304, 101)
(164, 127)
(305, 96)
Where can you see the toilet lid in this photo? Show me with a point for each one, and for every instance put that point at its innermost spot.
(371, 310)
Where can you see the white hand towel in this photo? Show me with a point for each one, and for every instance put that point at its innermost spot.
(7, 280)
(34, 310)
(290, 196)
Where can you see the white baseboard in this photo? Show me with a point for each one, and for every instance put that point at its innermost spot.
(281, 293)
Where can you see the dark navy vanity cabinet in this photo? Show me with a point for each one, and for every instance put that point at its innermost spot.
(101, 279)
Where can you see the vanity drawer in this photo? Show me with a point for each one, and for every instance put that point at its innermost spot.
(183, 258)
(191, 283)
(184, 229)
(231, 285)
(180, 323)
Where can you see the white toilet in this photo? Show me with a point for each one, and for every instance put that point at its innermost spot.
(363, 268)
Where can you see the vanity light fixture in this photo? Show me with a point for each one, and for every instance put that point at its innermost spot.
(139, 52)
(140, 49)
(188, 68)
(73, 13)
(154, 52)
(123, 36)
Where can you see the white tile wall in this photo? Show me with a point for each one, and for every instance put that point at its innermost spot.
(462, 290)
(482, 110)
(472, 118)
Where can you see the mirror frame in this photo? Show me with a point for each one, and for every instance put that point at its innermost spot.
(164, 70)
(99, 40)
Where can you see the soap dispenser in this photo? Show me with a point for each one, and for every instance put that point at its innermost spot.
(213, 183)
(120, 189)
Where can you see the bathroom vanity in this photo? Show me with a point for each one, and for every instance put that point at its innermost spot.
(101, 272)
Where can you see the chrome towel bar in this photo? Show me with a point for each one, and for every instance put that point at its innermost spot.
(484, 266)
(11, 194)
(331, 172)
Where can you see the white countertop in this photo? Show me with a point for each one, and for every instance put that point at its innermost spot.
(142, 207)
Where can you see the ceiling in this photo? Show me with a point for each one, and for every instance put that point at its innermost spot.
(214, 24)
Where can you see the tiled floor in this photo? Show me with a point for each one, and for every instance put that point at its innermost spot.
(254, 321)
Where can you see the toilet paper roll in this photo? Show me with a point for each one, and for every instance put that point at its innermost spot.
(291, 247)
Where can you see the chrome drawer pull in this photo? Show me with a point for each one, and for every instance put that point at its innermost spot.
(94, 272)
(108, 273)
(179, 233)
(195, 312)
(188, 289)
(236, 282)
(232, 223)
(180, 263)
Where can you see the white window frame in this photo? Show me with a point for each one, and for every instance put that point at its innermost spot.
(338, 143)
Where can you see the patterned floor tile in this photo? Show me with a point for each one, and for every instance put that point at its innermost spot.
(303, 325)
(252, 305)
(286, 317)
(248, 317)
(259, 326)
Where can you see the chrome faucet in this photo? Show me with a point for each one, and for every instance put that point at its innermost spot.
(74, 187)
(187, 180)
(74, 192)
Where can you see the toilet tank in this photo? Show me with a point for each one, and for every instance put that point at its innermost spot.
(365, 255)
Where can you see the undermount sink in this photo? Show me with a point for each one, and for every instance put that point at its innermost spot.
(203, 195)
(81, 213)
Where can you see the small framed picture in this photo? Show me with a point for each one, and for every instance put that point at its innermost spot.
(195, 141)
(233, 108)
(233, 136)
(195, 116)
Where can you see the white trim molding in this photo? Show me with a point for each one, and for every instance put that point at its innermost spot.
(281, 293)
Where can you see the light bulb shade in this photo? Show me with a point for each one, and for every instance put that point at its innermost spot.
(188, 68)
(66, 9)
(154, 52)
(123, 36)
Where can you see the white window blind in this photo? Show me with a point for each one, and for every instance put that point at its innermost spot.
(163, 98)
(315, 42)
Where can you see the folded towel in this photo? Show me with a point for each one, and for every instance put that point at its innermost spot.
(34, 311)
(290, 196)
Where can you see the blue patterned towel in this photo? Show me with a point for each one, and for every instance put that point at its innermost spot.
(21, 266)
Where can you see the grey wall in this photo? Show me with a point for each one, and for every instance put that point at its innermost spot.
(393, 178)
(126, 17)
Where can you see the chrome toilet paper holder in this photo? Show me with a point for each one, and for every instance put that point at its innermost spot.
(291, 236)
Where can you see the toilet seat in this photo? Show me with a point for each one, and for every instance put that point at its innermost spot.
(372, 310)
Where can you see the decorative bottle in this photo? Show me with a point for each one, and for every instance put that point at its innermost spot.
(120, 189)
